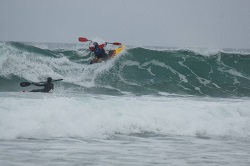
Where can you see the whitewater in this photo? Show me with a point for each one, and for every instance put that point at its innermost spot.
(146, 106)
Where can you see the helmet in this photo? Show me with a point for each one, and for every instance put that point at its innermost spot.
(95, 44)
(49, 79)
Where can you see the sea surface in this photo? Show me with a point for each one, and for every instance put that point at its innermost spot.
(146, 106)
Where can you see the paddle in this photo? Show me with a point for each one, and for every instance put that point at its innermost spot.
(115, 43)
(83, 39)
(23, 84)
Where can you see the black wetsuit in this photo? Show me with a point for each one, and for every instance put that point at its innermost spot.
(47, 87)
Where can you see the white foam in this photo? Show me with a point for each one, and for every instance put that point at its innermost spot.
(33, 116)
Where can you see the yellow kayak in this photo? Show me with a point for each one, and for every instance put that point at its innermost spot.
(117, 51)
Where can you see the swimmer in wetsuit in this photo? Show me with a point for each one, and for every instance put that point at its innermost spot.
(47, 86)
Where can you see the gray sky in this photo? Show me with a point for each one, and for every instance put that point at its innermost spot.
(181, 23)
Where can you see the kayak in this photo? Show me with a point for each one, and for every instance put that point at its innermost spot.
(111, 54)
(117, 51)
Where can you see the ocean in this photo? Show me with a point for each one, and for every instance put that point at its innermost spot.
(146, 106)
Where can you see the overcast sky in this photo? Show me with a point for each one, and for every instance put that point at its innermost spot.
(181, 23)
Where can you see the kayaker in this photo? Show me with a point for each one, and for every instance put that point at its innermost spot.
(47, 86)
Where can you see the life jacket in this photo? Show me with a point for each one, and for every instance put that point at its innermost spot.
(99, 52)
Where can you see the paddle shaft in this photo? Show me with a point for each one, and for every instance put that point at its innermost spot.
(83, 39)
(53, 80)
(24, 84)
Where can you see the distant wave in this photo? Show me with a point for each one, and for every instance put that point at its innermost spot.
(140, 71)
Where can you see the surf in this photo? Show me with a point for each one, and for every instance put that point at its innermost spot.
(138, 70)
(46, 116)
